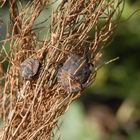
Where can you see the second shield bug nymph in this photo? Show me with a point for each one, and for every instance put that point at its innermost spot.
(29, 68)
(74, 73)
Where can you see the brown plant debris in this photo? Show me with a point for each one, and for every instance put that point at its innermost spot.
(30, 109)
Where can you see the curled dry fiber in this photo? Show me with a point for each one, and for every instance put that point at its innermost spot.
(30, 109)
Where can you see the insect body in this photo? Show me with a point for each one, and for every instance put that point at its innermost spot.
(74, 74)
(29, 68)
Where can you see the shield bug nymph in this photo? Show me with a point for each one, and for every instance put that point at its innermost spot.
(74, 73)
(29, 68)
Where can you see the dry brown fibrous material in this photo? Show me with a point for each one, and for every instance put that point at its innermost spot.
(30, 109)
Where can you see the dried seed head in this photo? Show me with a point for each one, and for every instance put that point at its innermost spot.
(29, 68)
(75, 72)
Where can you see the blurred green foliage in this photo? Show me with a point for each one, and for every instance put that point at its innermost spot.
(122, 77)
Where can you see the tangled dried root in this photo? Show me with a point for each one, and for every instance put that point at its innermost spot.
(30, 109)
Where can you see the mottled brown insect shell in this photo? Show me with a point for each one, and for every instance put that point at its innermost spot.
(29, 68)
(74, 73)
